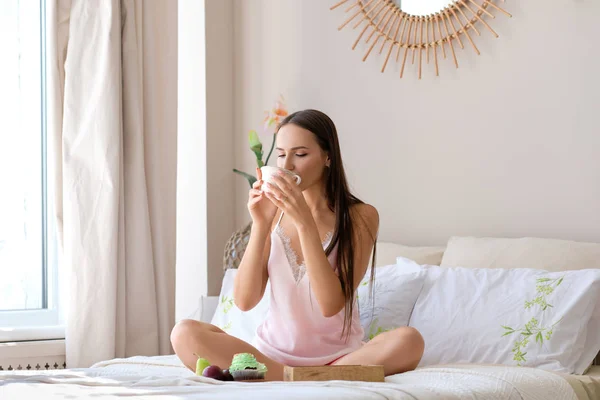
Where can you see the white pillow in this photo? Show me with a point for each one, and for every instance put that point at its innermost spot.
(234, 321)
(527, 317)
(396, 289)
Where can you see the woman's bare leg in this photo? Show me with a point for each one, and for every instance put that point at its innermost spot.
(399, 350)
(208, 341)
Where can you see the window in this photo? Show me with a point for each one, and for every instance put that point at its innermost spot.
(28, 273)
(420, 7)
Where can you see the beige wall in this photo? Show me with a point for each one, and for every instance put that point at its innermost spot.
(219, 138)
(507, 145)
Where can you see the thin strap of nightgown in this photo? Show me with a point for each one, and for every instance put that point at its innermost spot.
(278, 221)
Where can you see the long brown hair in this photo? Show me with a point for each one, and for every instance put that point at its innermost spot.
(339, 200)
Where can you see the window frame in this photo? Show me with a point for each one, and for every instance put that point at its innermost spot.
(46, 322)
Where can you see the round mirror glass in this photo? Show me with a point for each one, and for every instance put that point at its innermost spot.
(422, 7)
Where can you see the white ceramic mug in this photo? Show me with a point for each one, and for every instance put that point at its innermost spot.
(268, 172)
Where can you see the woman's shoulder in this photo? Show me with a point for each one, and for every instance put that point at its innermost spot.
(364, 210)
(366, 214)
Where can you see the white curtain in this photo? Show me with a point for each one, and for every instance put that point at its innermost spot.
(112, 112)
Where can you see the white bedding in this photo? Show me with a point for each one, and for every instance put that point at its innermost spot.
(165, 378)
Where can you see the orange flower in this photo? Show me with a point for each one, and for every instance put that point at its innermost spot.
(274, 116)
(280, 110)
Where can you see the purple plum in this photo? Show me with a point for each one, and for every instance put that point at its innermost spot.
(214, 372)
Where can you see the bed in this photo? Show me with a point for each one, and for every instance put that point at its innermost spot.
(164, 377)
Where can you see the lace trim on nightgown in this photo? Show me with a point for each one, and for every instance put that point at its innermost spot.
(298, 270)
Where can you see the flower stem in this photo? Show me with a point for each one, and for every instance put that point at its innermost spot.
(270, 151)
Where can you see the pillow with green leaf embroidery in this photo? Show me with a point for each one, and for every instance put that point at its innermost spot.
(238, 323)
(521, 317)
(388, 306)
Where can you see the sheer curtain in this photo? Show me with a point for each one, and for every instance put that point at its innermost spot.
(112, 112)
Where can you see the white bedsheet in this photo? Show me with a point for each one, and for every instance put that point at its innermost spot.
(165, 378)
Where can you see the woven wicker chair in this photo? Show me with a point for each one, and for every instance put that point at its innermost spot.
(235, 247)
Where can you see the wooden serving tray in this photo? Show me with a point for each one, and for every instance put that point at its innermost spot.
(366, 373)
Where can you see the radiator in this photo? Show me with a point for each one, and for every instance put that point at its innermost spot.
(32, 355)
(33, 363)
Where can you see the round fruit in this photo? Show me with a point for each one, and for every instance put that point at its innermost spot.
(214, 372)
(201, 364)
(227, 375)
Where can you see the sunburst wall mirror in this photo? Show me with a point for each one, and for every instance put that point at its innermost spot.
(420, 31)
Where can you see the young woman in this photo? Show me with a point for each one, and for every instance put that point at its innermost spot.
(313, 241)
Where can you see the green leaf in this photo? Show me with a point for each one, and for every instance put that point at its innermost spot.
(538, 338)
(508, 333)
(559, 281)
(507, 327)
(249, 177)
(540, 280)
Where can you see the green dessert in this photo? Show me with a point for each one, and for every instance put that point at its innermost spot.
(245, 367)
